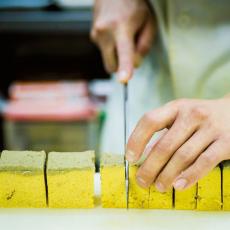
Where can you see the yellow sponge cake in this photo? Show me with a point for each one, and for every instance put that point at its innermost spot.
(209, 191)
(22, 182)
(158, 200)
(138, 196)
(226, 186)
(186, 200)
(70, 178)
(112, 181)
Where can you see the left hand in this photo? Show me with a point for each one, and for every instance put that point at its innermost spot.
(198, 138)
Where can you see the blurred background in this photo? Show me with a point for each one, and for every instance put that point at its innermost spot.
(53, 85)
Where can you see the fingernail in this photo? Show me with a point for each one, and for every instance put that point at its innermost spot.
(130, 156)
(122, 76)
(160, 187)
(180, 184)
(142, 182)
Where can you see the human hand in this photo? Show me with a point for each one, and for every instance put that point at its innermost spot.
(197, 139)
(124, 31)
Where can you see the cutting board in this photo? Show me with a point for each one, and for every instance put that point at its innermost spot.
(100, 219)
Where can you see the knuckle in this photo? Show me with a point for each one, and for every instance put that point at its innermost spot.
(183, 156)
(164, 146)
(182, 102)
(199, 112)
(212, 126)
(182, 126)
(209, 159)
(101, 26)
(130, 15)
(150, 118)
(146, 172)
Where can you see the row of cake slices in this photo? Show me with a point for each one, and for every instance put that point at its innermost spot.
(66, 180)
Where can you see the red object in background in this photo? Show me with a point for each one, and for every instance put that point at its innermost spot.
(48, 90)
(39, 110)
(50, 101)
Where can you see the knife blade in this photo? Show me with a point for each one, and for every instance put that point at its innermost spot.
(125, 142)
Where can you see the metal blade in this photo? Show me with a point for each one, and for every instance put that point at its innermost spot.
(125, 141)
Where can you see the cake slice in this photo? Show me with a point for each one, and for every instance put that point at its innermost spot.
(158, 200)
(209, 191)
(22, 182)
(226, 186)
(138, 196)
(112, 172)
(186, 200)
(70, 178)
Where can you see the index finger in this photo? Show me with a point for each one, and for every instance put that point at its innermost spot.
(150, 123)
(125, 55)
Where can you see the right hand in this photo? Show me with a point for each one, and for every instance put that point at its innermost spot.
(124, 31)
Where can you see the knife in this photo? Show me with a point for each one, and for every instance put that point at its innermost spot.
(125, 142)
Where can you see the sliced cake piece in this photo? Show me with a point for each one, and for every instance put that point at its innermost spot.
(158, 200)
(112, 181)
(22, 182)
(186, 200)
(209, 191)
(70, 178)
(226, 186)
(138, 196)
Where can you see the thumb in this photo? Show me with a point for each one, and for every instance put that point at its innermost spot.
(125, 55)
